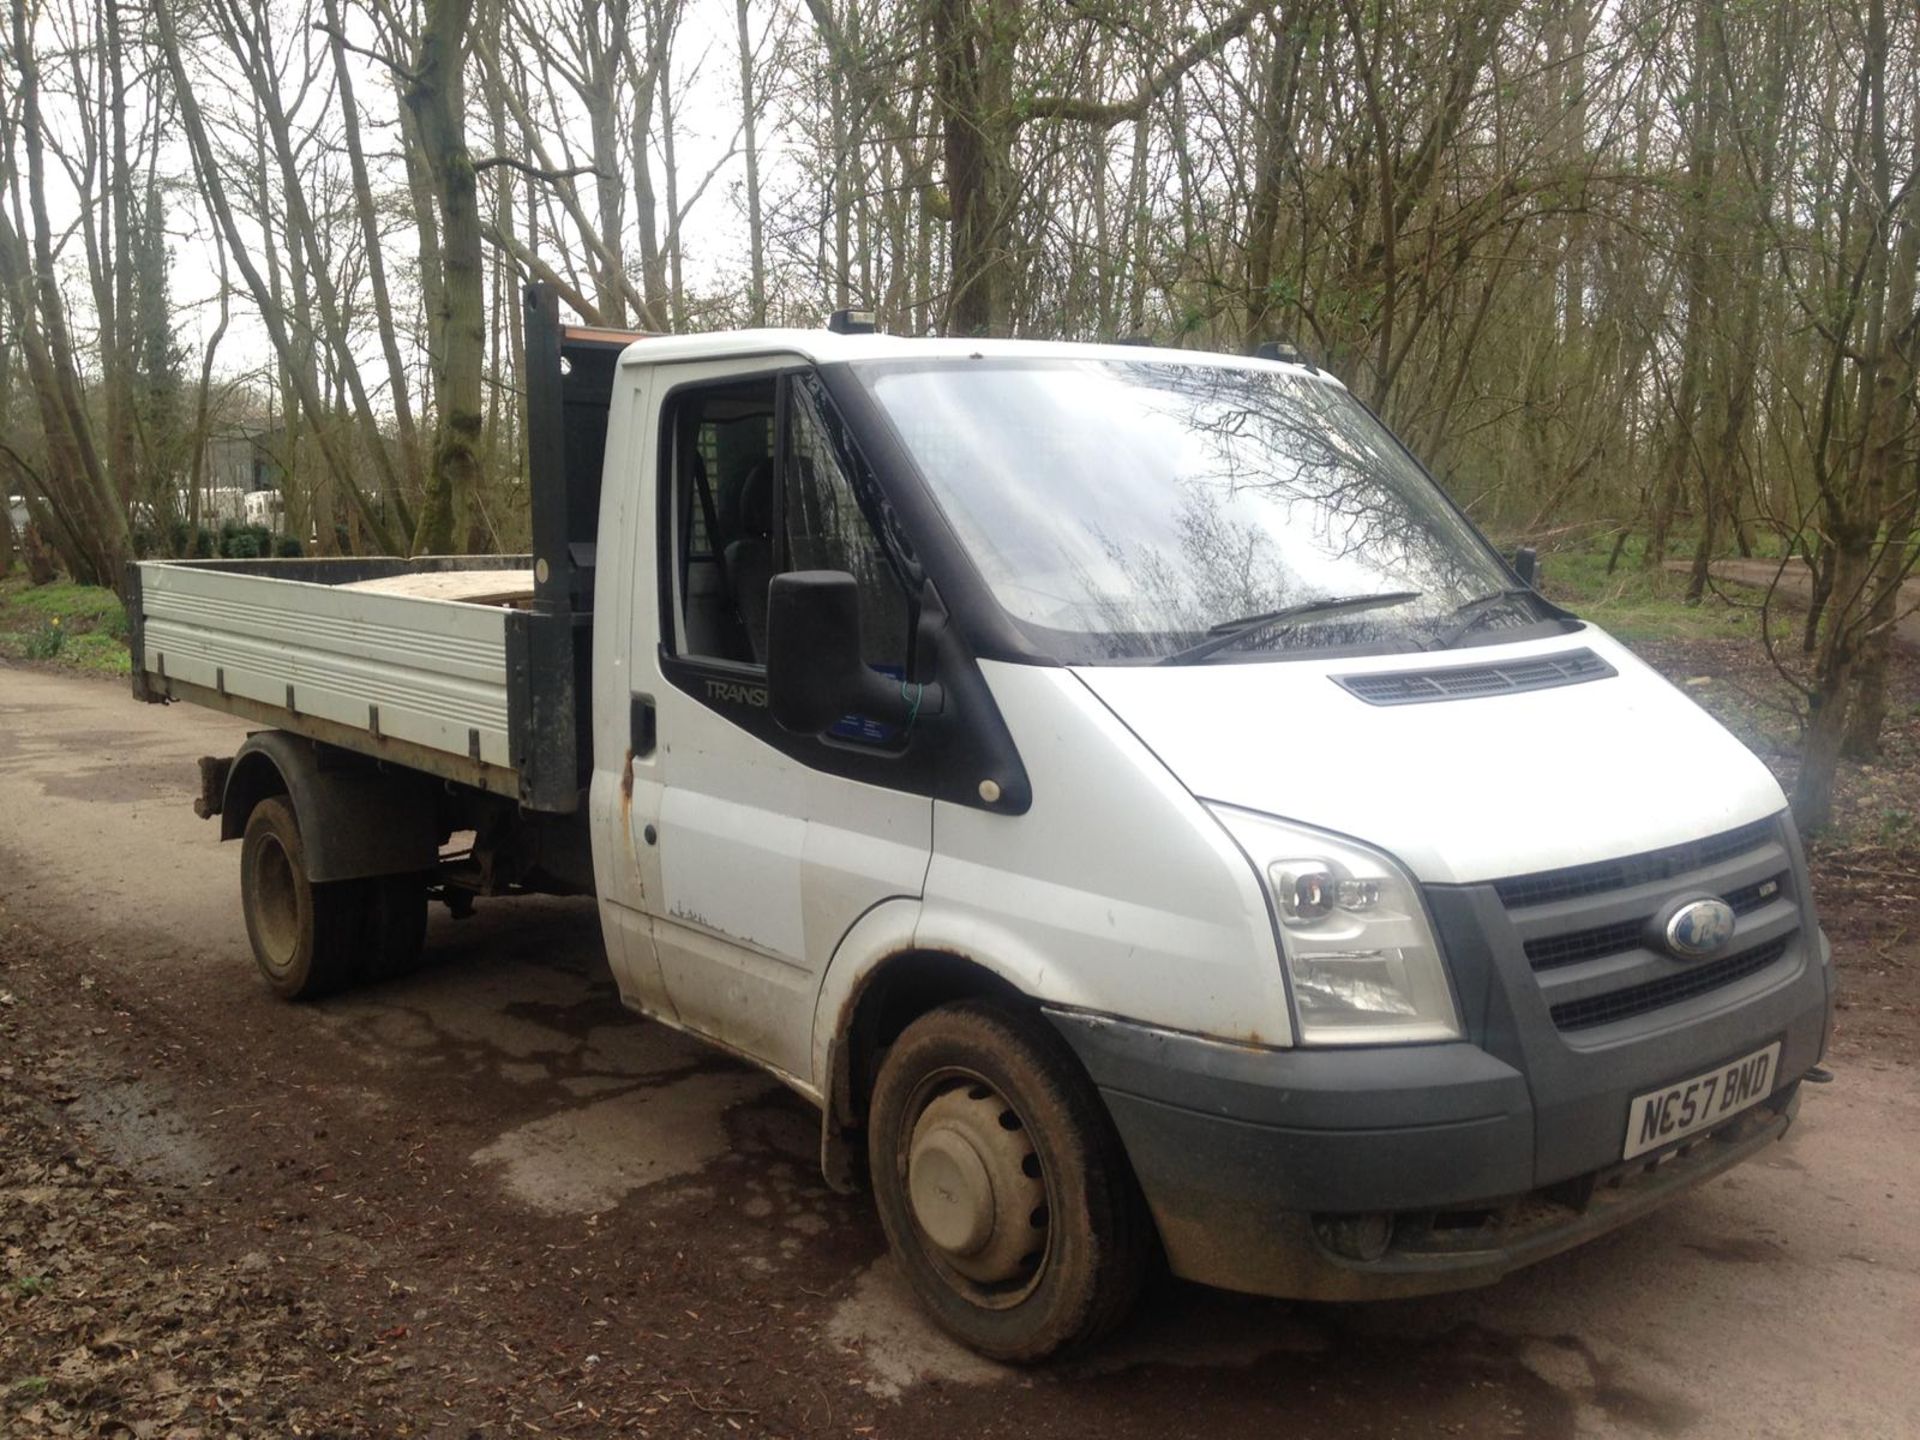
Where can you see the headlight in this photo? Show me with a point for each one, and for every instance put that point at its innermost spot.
(1364, 966)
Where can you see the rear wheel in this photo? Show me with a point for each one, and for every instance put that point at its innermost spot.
(304, 936)
(1001, 1185)
(396, 921)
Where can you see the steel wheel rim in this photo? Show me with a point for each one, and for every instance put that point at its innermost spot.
(276, 905)
(993, 1245)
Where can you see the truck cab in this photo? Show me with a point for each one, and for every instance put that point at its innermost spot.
(1143, 813)
(1158, 706)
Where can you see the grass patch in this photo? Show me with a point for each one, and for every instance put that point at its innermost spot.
(98, 653)
(1635, 603)
(78, 627)
(70, 601)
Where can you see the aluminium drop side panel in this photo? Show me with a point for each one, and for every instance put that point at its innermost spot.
(430, 672)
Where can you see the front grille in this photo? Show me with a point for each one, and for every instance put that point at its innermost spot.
(1749, 898)
(1586, 929)
(1546, 886)
(1571, 947)
(1668, 990)
(1470, 682)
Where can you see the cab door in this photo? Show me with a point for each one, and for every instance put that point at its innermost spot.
(769, 845)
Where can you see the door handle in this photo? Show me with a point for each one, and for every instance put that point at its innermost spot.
(642, 726)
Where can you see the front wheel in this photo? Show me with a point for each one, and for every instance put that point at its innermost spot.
(1002, 1187)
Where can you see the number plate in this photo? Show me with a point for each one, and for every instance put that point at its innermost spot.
(1671, 1114)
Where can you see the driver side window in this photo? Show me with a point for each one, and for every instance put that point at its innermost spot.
(723, 479)
(823, 528)
(761, 488)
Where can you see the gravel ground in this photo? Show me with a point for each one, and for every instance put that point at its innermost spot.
(483, 1200)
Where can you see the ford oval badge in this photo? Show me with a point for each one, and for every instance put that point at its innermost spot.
(1700, 928)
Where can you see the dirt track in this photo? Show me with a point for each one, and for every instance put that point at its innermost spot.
(1795, 581)
(484, 1200)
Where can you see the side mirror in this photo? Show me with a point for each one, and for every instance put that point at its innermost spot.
(815, 676)
(1526, 564)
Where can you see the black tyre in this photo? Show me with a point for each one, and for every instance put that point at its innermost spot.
(305, 937)
(1001, 1184)
(396, 922)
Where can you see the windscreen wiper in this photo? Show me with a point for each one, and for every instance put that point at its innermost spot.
(1228, 632)
(1466, 616)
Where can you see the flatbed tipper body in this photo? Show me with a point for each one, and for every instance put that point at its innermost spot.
(471, 668)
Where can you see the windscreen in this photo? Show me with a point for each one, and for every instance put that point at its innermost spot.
(1125, 511)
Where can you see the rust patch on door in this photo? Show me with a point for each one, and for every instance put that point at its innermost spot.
(626, 809)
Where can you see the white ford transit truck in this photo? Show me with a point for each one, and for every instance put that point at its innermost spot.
(1114, 784)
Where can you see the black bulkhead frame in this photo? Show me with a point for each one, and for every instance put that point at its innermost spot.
(570, 380)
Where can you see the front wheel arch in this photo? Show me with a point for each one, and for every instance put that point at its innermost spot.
(892, 993)
(891, 997)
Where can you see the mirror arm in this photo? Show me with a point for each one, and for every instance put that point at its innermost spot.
(898, 702)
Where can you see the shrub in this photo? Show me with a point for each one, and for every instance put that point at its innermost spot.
(47, 641)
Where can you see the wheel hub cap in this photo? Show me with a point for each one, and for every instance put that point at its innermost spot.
(276, 912)
(974, 1183)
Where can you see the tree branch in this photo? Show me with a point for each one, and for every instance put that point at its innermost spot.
(1113, 112)
(534, 172)
(411, 77)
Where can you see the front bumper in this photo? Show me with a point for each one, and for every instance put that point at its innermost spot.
(1254, 1161)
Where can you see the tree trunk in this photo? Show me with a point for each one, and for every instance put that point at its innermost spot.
(1678, 457)
(975, 141)
(670, 165)
(1263, 217)
(8, 539)
(1897, 454)
(1858, 509)
(398, 387)
(603, 127)
(1867, 702)
(1139, 222)
(203, 403)
(646, 200)
(117, 359)
(437, 98)
(1819, 591)
(49, 347)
